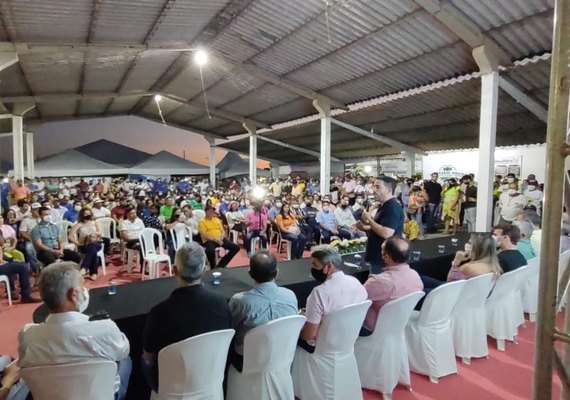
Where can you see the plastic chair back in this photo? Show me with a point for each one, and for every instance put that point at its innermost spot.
(475, 292)
(394, 315)
(340, 328)
(507, 283)
(194, 368)
(147, 241)
(108, 228)
(271, 347)
(64, 228)
(93, 380)
(178, 235)
(439, 303)
(200, 214)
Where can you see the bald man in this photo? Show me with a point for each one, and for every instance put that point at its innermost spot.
(397, 280)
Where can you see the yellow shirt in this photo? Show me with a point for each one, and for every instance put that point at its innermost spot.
(212, 227)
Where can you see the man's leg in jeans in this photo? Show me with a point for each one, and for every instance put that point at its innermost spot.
(344, 234)
(326, 235)
(20, 269)
(124, 369)
(30, 253)
(46, 257)
(70, 255)
(232, 248)
(211, 253)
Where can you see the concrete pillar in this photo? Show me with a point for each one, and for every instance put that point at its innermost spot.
(411, 164)
(252, 130)
(30, 155)
(487, 140)
(324, 109)
(212, 162)
(18, 145)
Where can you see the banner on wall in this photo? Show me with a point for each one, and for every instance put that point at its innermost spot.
(508, 165)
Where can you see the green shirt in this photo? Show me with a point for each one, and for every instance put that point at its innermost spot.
(166, 211)
(195, 205)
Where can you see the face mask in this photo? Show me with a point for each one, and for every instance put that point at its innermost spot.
(326, 208)
(343, 206)
(319, 275)
(512, 191)
(360, 201)
(511, 180)
(468, 247)
(497, 242)
(242, 203)
(77, 208)
(531, 188)
(88, 217)
(295, 205)
(504, 188)
(278, 205)
(46, 218)
(81, 307)
(266, 202)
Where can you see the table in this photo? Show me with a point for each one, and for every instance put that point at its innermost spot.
(129, 306)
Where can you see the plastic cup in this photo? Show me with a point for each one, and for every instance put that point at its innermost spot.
(112, 288)
(216, 278)
(454, 241)
(441, 249)
(416, 255)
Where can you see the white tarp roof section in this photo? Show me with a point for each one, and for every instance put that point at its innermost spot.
(233, 165)
(73, 163)
(165, 163)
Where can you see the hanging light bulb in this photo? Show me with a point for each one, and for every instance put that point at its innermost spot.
(201, 57)
(157, 97)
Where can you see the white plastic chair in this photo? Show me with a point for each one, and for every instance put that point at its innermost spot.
(268, 354)
(193, 369)
(94, 380)
(100, 255)
(64, 228)
(109, 230)
(530, 289)
(429, 337)
(504, 307)
(180, 234)
(281, 241)
(150, 254)
(468, 319)
(330, 373)
(200, 214)
(4, 278)
(382, 357)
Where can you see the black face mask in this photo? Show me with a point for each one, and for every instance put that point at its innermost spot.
(88, 217)
(319, 275)
(343, 206)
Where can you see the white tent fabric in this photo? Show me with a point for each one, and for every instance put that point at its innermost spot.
(73, 163)
(233, 165)
(165, 163)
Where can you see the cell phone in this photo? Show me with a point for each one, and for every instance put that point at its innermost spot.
(99, 315)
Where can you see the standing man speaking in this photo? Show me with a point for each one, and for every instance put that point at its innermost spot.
(388, 221)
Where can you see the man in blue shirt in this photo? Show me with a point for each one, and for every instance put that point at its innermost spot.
(328, 224)
(264, 303)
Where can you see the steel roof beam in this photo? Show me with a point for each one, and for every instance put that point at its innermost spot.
(185, 128)
(524, 99)
(382, 139)
(7, 59)
(271, 160)
(293, 147)
(42, 98)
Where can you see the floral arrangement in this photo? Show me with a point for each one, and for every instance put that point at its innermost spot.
(350, 246)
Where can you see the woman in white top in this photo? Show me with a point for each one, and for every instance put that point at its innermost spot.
(235, 218)
(86, 235)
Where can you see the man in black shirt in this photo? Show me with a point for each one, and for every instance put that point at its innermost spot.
(507, 238)
(189, 311)
(470, 205)
(433, 189)
(388, 221)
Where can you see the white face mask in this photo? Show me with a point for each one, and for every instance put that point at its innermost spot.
(531, 188)
(46, 218)
(511, 180)
(468, 247)
(512, 191)
(77, 208)
(497, 241)
(504, 188)
(82, 306)
(278, 205)
(326, 208)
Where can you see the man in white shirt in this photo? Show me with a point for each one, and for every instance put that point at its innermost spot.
(511, 203)
(533, 195)
(131, 227)
(26, 246)
(98, 210)
(345, 218)
(67, 336)
(335, 291)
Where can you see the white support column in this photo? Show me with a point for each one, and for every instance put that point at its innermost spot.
(212, 162)
(487, 140)
(18, 145)
(324, 109)
(30, 155)
(252, 130)
(411, 164)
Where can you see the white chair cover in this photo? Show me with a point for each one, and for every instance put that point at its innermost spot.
(153, 255)
(504, 307)
(429, 337)
(469, 316)
(4, 278)
(530, 289)
(330, 373)
(382, 357)
(193, 369)
(91, 380)
(268, 354)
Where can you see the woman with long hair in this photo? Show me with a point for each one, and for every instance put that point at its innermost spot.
(86, 235)
(290, 230)
(479, 258)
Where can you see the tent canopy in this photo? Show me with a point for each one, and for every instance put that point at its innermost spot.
(73, 163)
(113, 153)
(233, 165)
(166, 163)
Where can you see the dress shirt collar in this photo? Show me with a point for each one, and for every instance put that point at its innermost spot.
(398, 267)
(70, 316)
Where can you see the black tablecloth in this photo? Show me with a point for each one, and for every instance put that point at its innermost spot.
(129, 306)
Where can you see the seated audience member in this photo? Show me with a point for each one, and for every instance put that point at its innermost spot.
(329, 225)
(192, 220)
(524, 245)
(212, 233)
(397, 280)
(71, 214)
(26, 245)
(98, 210)
(536, 237)
(86, 235)
(190, 310)
(256, 223)
(22, 209)
(118, 212)
(335, 291)
(67, 336)
(290, 230)
(265, 302)
(506, 238)
(345, 219)
(11, 387)
(48, 241)
(131, 228)
(18, 269)
(235, 218)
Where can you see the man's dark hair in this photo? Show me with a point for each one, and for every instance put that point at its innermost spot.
(21, 202)
(263, 266)
(42, 209)
(128, 210)
(389, 182)
(397, 248)
(512, 231)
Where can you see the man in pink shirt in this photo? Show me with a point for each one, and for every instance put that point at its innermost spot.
(335, 291)
(256, 223)
(397, 280)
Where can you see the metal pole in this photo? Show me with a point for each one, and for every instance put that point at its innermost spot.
(212, 164)
(553, 197)
(18, 146)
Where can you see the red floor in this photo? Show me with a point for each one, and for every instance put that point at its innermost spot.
(505, 375)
